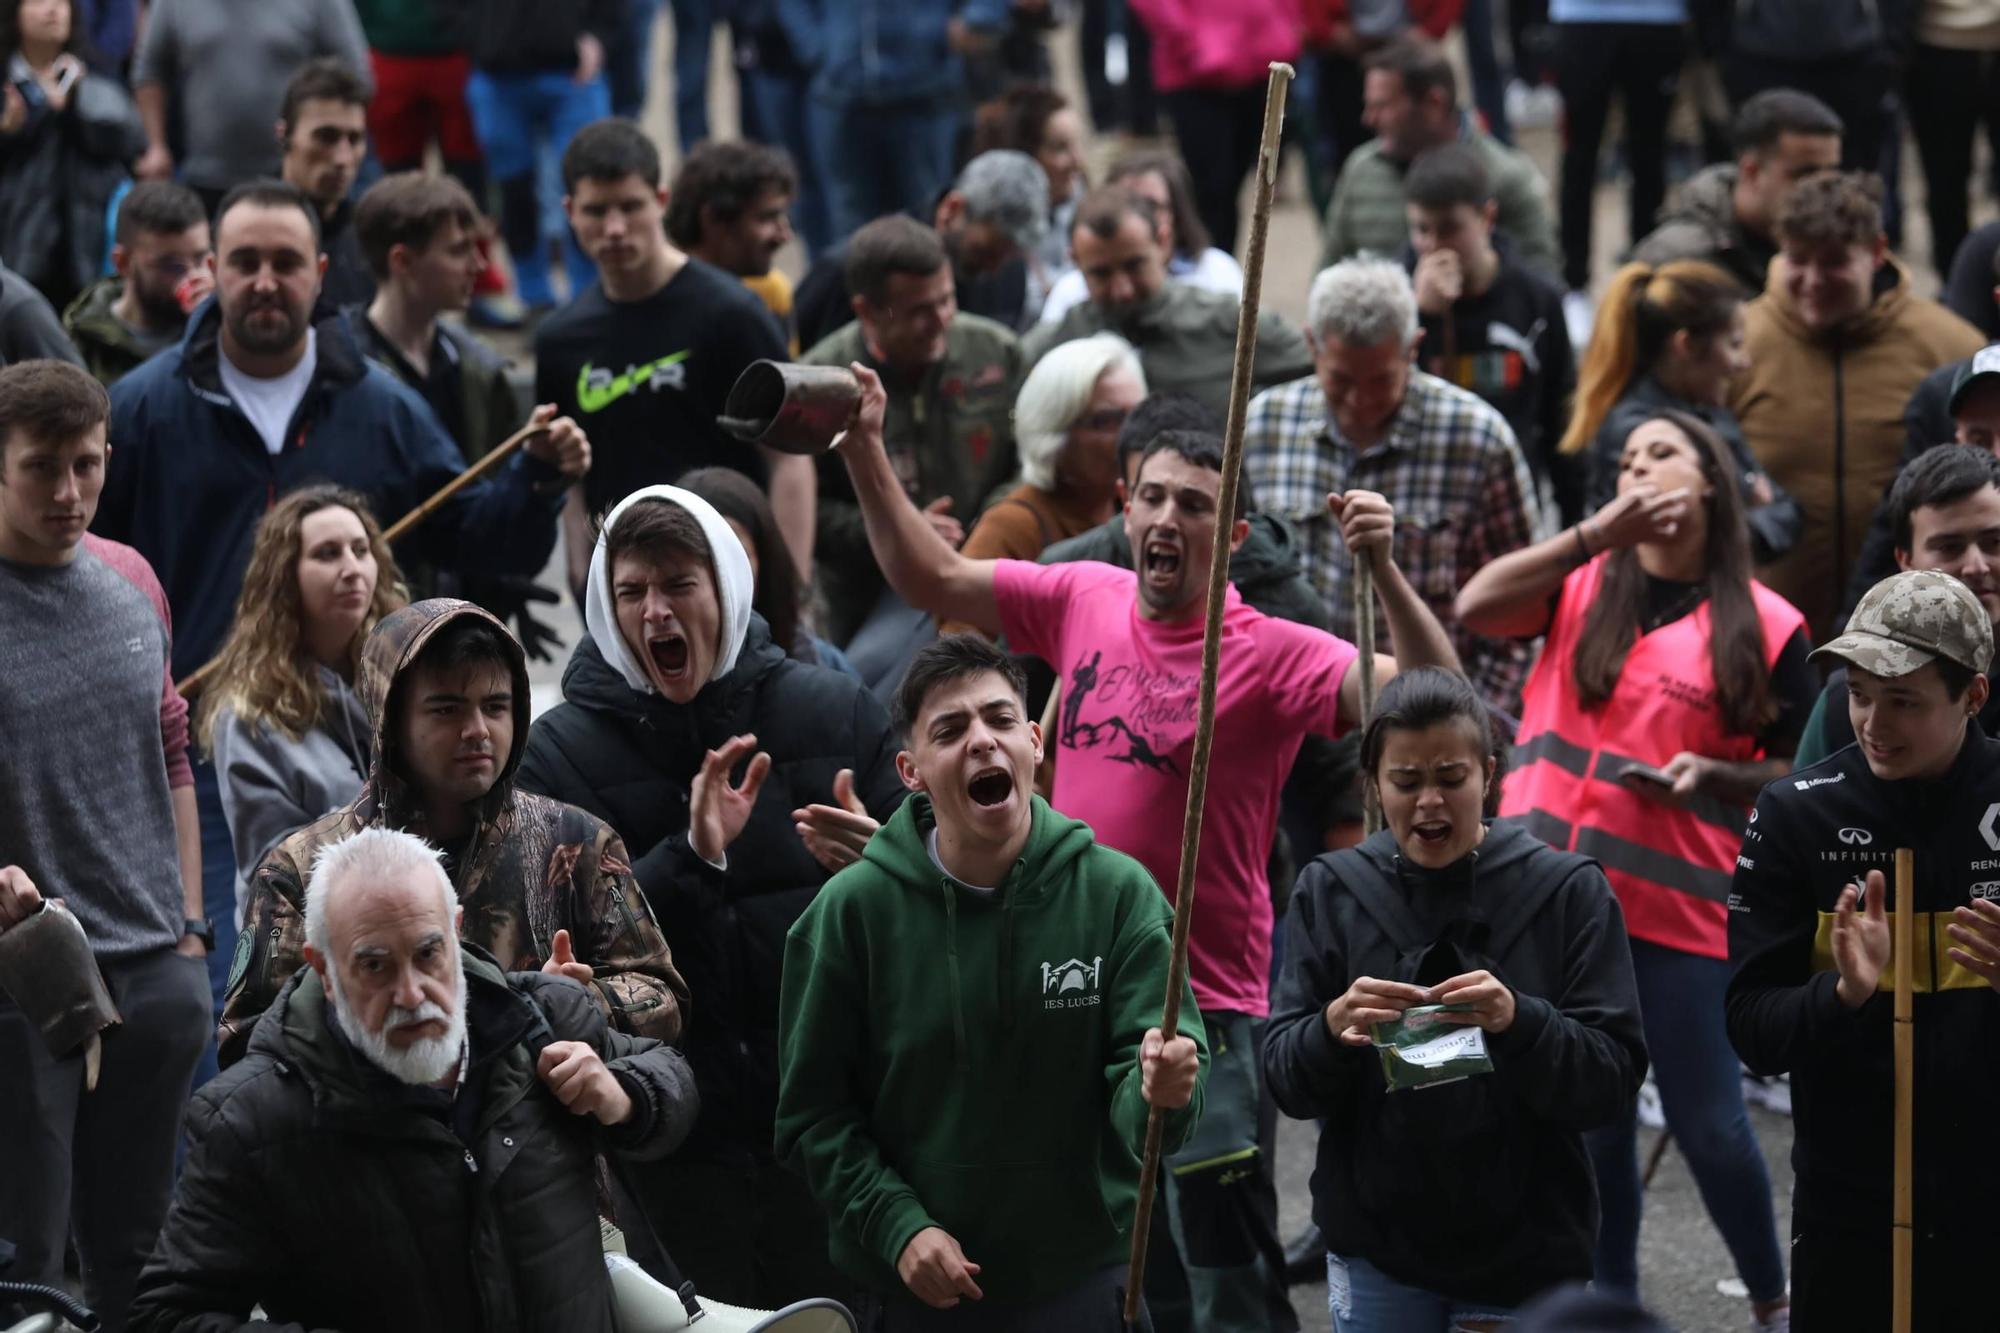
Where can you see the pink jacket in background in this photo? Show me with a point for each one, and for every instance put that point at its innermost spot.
(1219, 43)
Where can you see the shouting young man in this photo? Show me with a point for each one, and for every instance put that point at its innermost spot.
(974, 1130)
(1128, 644)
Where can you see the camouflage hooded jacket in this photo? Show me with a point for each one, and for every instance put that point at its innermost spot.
(531, 867)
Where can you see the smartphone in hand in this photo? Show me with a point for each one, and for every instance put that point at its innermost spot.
(1636, 774)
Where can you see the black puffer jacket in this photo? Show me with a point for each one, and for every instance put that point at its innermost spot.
(1477, 1190)
(57, 176)
(338, 1198)
(631, 760)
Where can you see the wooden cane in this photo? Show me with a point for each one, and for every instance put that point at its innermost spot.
(1211, 651)
(502, 451)
(1902, 1231)
(1364, 644)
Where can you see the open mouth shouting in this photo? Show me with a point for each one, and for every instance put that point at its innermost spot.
(990, 787)
(669, 653)
(1432, 832)
(1160, 562)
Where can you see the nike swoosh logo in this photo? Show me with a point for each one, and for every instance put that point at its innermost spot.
(595, 398)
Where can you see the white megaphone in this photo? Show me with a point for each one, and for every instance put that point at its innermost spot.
(641, 1305)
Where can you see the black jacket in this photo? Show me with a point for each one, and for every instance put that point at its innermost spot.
(338, 1198)
(57, 176)
(1774, 527)
(1929, 423)
(1479, 1190)
(631, 760)
(1810, 835)
(190, 479)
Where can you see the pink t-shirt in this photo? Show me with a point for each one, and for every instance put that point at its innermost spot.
(1125, 736)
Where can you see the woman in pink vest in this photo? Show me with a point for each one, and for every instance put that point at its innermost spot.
(1673, 687)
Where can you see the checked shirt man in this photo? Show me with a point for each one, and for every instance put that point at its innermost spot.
(1369, 419)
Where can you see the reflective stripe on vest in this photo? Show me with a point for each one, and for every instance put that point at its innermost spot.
(1671, 866)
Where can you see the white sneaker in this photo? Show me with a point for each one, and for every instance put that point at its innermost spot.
(1579, 315)
(1650, 1114)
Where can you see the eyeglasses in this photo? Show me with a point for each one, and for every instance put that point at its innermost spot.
(1104, 418)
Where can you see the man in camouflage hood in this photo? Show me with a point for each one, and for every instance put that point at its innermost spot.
(544, 885)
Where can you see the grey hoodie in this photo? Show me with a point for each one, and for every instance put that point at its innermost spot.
(272, 784)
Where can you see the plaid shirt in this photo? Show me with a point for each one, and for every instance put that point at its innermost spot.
(1460, 487)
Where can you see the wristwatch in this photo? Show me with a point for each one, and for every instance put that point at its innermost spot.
(202, 929)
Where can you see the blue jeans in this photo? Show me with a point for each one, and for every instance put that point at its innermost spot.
(777, 109)
(513, 114)
(1363, 1299)
(884, 159)
(1701, 1091)
(694, 31)
(627, 64)
(1489, 78)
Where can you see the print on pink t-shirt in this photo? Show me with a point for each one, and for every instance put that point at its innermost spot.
(1125, 736)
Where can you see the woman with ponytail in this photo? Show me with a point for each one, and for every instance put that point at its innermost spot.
(1671, 337)
(1673, 687)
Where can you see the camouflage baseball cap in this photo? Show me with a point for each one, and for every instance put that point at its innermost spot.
(1979, 368)
(1911, 619)
(1008, 190)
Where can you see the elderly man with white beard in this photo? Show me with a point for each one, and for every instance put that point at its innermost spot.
(409, 1142)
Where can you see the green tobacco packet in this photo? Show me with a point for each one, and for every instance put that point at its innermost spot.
(1419, 1050)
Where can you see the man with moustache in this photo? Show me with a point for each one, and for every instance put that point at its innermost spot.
(545, 885)
(411, 1141)
(1185, 335)
(1128, 645)
(257, 400)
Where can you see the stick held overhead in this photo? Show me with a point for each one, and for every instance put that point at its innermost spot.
(1218, 580)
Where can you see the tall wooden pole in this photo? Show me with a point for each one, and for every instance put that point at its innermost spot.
(1211, 650)
(1902, 1223)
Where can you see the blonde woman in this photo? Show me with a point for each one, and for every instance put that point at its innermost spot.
(281, 722)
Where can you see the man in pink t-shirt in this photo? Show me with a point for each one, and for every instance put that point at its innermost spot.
(1127, 646)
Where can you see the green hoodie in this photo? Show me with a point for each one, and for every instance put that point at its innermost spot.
(970, 1062)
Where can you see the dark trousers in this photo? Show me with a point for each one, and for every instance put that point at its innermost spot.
(1641, 62)
(1842, 1277)
(746, 1233)
(1222, 1270)
(1095, 1305)
(1337, 81)
(99, 1166)
(1133, 106)
(1949, 95)
(1218, 130)
(1701, 1091)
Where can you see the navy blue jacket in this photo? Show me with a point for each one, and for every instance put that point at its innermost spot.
(189, 477)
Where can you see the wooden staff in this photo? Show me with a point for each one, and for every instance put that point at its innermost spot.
(1364, 644)
(1211, 650)
(499, 454)
(1902, 1233)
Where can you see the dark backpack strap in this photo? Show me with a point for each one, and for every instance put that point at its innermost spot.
(1041, 523)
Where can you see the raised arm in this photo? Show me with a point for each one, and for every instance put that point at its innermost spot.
(1509, 598)
(1367, 524)
(918, 563)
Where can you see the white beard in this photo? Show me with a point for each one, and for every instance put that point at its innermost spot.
(424, 1061)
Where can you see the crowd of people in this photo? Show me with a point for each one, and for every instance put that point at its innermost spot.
(813, 945)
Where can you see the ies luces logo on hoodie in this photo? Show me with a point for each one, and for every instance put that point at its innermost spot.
(1072, 985)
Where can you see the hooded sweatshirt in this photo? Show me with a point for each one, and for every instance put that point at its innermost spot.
(1823, 412)
(1478, 1190)
(629, 755)
(970, 1061)
(530, 867)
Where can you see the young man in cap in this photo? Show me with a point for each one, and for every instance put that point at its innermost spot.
(1810, 936)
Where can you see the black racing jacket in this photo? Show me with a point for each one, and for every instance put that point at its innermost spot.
(1812, 833)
